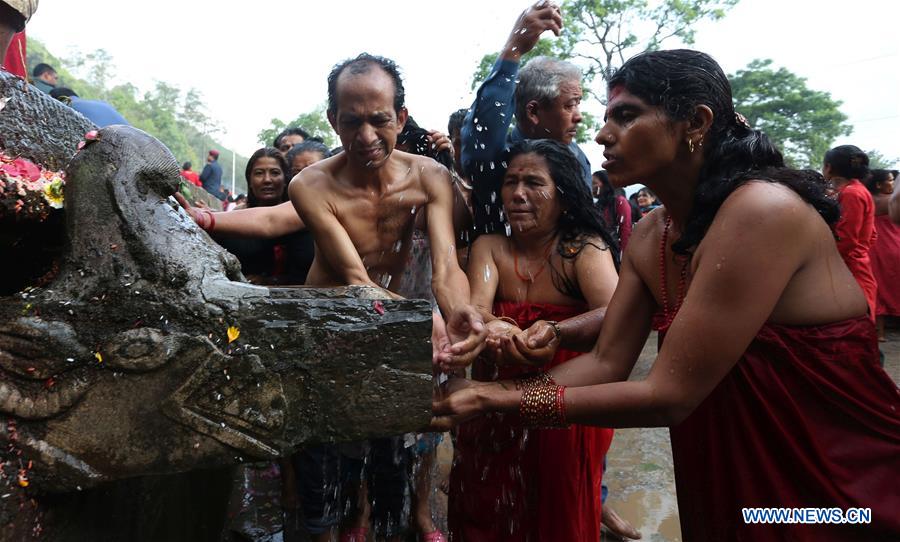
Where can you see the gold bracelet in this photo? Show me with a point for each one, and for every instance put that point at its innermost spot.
(543, 406)
(534, 381)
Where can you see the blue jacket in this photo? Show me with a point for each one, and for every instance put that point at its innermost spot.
(486, 139)
(211, 178)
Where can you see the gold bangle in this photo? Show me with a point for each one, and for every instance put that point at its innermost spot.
(534, 381)
(543, 406)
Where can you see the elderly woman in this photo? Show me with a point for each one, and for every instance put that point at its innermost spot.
(552, 277)
(767, 372)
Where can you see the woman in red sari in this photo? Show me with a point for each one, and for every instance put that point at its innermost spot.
(552, 277)
(844, 167)
(885, 253)
(767, 372)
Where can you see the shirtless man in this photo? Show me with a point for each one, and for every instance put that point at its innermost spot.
(361, 204)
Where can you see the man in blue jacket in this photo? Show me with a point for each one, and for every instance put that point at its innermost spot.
(544, 96)
(211, 176)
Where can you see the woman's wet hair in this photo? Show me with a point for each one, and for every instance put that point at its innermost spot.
(265, 152)
(678, 81)
(877, 177)
(848, 161)
(310, 145)
(581, 222)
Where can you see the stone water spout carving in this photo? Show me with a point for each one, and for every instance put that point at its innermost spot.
(123, 365)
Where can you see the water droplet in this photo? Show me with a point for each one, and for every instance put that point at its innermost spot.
(492, 165)
(498, 104)
(487, 273)
(508, 229)
(413, 210)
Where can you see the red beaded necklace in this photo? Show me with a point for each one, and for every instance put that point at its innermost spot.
(682, 280)
(545, 260)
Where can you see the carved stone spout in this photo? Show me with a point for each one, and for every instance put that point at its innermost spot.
(149, 355)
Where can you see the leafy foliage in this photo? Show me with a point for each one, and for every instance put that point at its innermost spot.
(880, 161)
(802, 121)
(315, 122)
(178, 119)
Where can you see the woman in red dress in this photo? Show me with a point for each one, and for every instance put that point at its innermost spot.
(855, 231)
(885, 252)
(767, 372)
(551, 277)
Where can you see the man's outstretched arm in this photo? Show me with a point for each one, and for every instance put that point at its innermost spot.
(256, 222)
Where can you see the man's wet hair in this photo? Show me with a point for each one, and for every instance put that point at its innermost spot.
(41, 69)
(292, 130)
(455, 123)
(360, 65)
(186, 166)
(539, 80)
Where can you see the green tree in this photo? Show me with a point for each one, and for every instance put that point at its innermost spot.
(599, 35)
(880, 161)
(315, 122)
(178, 119)
(803, 122)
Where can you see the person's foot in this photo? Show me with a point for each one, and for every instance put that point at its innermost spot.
(615, 527)
(882, 339)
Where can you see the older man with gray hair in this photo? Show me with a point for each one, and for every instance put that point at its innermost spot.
(544, 95)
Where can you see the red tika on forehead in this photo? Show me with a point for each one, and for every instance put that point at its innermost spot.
(614, 92)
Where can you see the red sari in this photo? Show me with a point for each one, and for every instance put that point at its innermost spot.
(885, 255)
(806, 418)
(855, 235)
(514, 484)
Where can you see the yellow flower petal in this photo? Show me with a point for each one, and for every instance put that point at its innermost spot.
(233, 334)
(99, 357)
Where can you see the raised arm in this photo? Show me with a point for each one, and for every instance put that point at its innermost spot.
(486, 124)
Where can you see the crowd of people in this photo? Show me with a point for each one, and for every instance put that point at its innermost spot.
(764, 284)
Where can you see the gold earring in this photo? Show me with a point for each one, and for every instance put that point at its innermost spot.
(691, 145)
